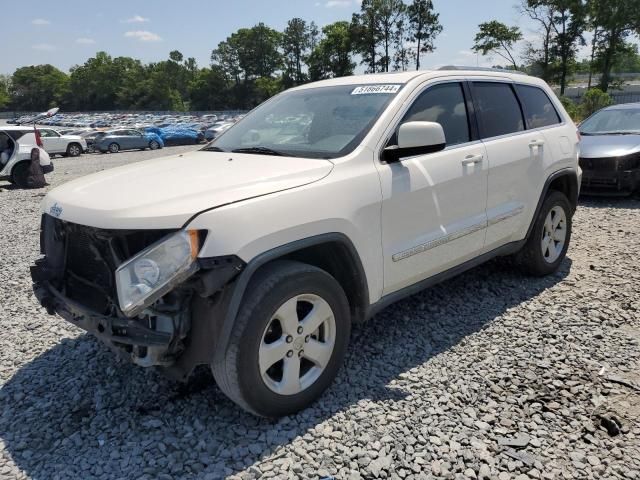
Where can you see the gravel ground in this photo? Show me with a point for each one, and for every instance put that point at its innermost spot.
(491, 375)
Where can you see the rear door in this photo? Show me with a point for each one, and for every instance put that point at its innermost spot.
(434, 205)
(516, 160)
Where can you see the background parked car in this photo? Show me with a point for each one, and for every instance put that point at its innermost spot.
(66, 145)
(129, 139)
(610, 150)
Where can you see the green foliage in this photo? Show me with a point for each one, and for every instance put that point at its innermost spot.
(572, 108)
(296, 43)
(498, 38)
(593, 100)
(332, 56)
(5, 98)
(615, 21)
(38, 87)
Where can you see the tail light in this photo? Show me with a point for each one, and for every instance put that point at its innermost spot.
(38, 139)
(578, 134)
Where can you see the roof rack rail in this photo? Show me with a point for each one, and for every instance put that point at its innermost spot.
(481, 69)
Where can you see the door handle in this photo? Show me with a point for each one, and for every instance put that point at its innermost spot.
(536, 143)
(472, 159)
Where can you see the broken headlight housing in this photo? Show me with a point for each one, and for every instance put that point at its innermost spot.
(153, 272)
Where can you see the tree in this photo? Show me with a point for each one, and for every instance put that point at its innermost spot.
(569, 22)
(332, 57)
(424, 27)
(38, 87)
(540, 58)
(390, 14)
(498, 38)
(366, 33)
(615, 21)
(296, 44)
(207, 90)
(5, 98)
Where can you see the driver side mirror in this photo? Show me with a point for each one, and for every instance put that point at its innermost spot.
(416, 138)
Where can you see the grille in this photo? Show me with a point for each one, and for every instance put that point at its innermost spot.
(611, 164)
(599, 164)
(91, 257)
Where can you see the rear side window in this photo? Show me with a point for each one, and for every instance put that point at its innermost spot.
(444, 104)
(538, 109)
(499, 111)
(17, 134)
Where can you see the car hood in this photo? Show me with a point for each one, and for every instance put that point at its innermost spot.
(600, 146)
(167, 192)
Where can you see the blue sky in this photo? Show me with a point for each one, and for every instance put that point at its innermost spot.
(67, 32)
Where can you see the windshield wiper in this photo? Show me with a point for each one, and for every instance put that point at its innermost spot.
(258, 150)
(212, 148)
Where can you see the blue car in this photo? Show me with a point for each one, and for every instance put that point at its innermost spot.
(126, 139)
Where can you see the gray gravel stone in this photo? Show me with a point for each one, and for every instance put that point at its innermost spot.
(429, 387)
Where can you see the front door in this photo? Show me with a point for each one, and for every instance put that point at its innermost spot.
(51, 141)
(434, 205)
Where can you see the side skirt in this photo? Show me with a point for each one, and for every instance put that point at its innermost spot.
(394, 297)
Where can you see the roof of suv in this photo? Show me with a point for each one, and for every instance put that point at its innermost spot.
(16, 127)
(405, 77)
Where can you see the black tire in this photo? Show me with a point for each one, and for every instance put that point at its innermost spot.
(74, 150)
(531, 258)
(20, 175)
(238, 373)
(154, 145)
(114, 147)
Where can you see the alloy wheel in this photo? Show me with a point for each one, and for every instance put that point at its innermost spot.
(297, 344)
(554, 234)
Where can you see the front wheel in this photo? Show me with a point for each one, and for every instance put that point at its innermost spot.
(288, 342)
(154, 145)
(547, 246)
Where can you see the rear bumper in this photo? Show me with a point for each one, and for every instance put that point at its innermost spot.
(596, 182)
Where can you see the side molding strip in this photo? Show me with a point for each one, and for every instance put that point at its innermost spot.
(458, 234)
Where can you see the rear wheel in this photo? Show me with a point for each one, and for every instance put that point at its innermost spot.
(20, 175)
(114, 147)
(547, 246)
(288, 342)
(74, 150)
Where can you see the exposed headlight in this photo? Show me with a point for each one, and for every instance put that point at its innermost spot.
(149, 275)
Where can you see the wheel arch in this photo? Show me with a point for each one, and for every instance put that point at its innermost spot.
(331, 252)
(564, 181)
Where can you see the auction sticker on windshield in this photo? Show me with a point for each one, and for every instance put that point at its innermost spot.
(376, 89)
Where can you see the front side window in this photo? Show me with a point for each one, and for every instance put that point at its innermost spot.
(538, 109)
(322, 122)
(48, 133)
(499, 112)
(444, 104)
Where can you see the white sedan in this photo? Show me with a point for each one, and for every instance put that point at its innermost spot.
(65, 145)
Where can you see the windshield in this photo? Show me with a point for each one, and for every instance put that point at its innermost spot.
(324, 122)
(605, 122)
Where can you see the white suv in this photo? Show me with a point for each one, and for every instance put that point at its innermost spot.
(322, 206)
(65, 145)
(16, 144)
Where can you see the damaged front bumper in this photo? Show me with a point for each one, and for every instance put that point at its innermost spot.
(144, 345)
(75, 279)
